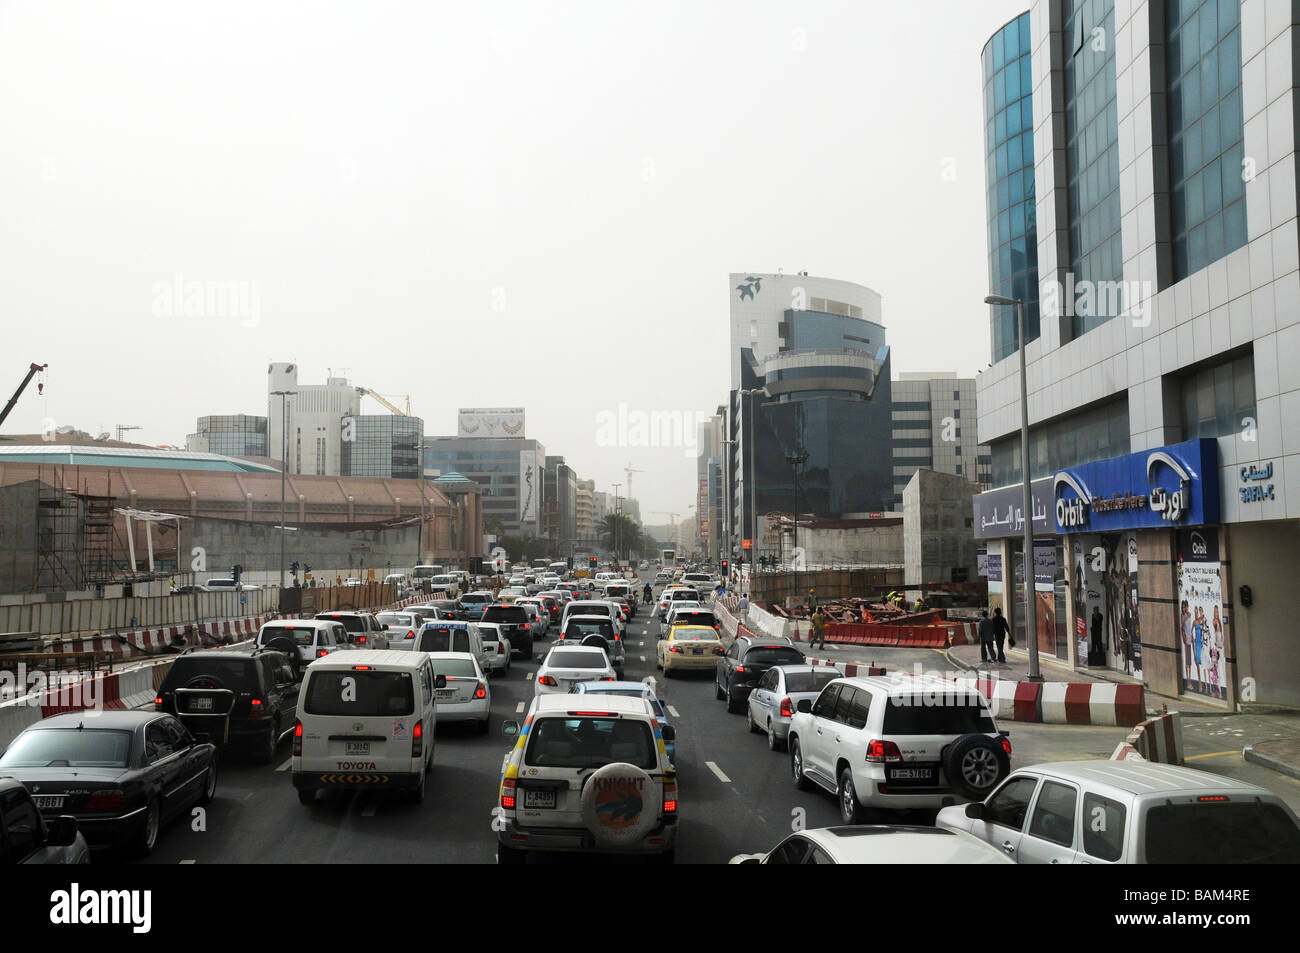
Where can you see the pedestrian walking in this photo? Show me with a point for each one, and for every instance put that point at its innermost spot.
(811, 601)
(743, 605)
(818, 630)
(1003, 631)
(988, 634)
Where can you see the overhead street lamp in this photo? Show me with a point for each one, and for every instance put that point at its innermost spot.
(1031, 615)
(284, 396)
(752, 491)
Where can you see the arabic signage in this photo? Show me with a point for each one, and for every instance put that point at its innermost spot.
(1256, 483)
(1176, 485)
(1000, 513)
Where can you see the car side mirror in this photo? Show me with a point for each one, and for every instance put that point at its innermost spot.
(202, 737)
(669, 733)
(975, 810)
(440, 681)
(805, 706)
(61, 831)
(510, 728)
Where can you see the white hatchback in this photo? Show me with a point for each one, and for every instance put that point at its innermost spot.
(567, 665)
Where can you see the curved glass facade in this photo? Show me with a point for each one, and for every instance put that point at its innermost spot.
(1009, 170)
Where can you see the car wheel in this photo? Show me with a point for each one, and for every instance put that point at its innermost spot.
(749, 716)
(209, 784)
(148, 836)
(483, 725)
(510, 855)
(774, 742)
(306, 797)
(975, 765)
(801, 782)
(717, 686)
(850, 810)
(266, 753)
(733, 703)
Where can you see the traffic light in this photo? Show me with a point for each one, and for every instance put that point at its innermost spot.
(724, 567)
(306, 570)
(293, 567)
(592, 562)
(236, 572)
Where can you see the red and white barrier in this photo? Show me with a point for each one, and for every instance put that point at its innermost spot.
(1158, 739)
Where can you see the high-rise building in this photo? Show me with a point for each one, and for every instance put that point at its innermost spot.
(560, 491)
(1163, 389)
(934, 425)
(708, 470)
(586, 514)
(232, 435)
(316, 414)
(508, 470)
(382, 445)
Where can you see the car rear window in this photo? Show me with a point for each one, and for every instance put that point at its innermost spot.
(578, 629)
(773, 655)
(934, 714)
(361, 694)
(395, 618)
(505, 614)
(69, 747)
(561, 658)
(353, 623)
(693, 635)
(472, 598)
(590, 608)
(237, 674)
(443, 640)
(590, 742)
(694, 618)
(1221, 832)
(300, 634)
(684, 595)
(616, 590)
(810, 681)
(454, 668)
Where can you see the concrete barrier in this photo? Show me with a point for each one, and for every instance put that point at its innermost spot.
(1158, 739)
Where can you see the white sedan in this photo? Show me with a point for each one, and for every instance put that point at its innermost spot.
(567, 665)
(878, 844)
(467, 696)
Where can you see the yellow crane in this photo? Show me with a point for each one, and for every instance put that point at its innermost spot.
(367, 392)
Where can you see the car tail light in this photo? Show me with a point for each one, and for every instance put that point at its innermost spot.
(361, 640)
(410, 635)
(878, 752)
(508, 794)
(719, 650)
(673, 648)
(321, 653)
(608, 678)
(547, 680)
(787, 710)
(417, 739)
(480, 690)
(1211, 797)
(297, 739)
(1006, 744)
(111, 799)
(158, 700)
(670, 797)
(740, 668)
(257, 709)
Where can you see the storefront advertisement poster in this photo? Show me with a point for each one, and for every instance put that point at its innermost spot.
(1202, 622)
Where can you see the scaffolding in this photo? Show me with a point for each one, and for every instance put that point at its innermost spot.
(74, 536)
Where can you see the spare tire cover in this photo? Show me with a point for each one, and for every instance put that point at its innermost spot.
(619, 804)
(597, 640)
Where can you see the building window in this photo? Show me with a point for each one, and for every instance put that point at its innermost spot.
(1216, 399)
(1092, 160)
(1093, 434)
(1207, 203)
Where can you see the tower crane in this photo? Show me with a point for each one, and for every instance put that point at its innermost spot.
(123, 428)
(40, 388)
(629, 471)
(366, 391)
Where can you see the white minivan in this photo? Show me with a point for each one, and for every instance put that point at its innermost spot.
(365, 721)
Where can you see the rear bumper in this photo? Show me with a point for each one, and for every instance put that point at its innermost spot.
(356, 780)
(106, 832)
(662, 837)
(690, 663)
(476, 710)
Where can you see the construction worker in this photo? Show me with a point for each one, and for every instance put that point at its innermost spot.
(811, 602)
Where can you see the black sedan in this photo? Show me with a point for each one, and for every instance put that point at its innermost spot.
(121, 774)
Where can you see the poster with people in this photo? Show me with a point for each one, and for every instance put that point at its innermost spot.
(1045, 594)
(1202, 621)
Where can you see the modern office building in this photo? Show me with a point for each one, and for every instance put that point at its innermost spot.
(810, 375)
(1164, 393)
(586, 514)
(708, 475)
(508, 470)
(231, 435)
(316, 415)
(382, 445)
(934, 425)
(560, 491)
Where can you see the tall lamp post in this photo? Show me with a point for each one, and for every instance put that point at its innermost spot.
(618, 513)
(284, 396)
(752, 482)
(796, 460)
(727, 515)
(1031, 614)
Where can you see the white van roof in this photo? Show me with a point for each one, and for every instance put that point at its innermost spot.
(387, 660)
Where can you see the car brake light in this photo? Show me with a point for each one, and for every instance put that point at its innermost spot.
(593, 714)
(297, 739)
(508, 794)
(417, 739)
(409, 635)
(321, 653)
(480, 691)
(1211, 797)
(740, 668)
(673, 648)
(158, 700)
(670, 797)
(787, 710)
(878, 752)
(109, 800)
(361, 640)
(546, 680)
(1006, 744)
(360, 668)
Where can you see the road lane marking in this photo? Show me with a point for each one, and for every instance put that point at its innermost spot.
(1216, 754)
(286, 766)
(674, 712)
(187, 861)
(717, 771)
(643, 658)
(528, 677)
(519, 707)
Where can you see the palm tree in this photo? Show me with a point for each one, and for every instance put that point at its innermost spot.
(620, 533)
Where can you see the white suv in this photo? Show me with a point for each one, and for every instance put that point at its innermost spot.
(897, 742)
(588, 774)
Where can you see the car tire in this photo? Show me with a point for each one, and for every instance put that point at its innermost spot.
(774, 742)
(975, 765)
(147, 839)
(847, 795)
(717, 687)
(754, 729)
(483, 725)
(733, 704)
(801, 782)
(306, 798)
(510, 855)
(209, 784)
(266, 753)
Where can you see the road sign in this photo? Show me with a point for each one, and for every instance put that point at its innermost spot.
(747, 544)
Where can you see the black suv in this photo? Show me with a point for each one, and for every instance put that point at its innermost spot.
(744, 664)
(515, 626)
(246, 699)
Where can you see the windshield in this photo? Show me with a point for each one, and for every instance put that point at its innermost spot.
(591, 742)
(360, 694)
(809, 681)
(561, 658)
(301, 635)
(1220, 832)
(69, 747)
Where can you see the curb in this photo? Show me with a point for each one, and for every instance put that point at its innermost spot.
(1267, 761)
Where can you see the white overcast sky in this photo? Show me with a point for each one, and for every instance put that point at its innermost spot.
(482, 204)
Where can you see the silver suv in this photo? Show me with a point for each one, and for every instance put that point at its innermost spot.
(897, 742)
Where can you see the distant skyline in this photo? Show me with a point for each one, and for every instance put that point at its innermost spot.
(493, 205)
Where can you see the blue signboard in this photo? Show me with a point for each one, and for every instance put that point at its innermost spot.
(1164, 487)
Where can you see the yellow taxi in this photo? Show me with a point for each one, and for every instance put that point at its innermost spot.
(688, 648)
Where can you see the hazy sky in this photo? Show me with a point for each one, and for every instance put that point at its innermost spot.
(486, 204)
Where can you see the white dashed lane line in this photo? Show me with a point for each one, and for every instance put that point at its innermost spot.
(187, 861)
(674, 712)
(528, 677)
(519, 707)
(285, 766)
(718, 772)
(643, 658)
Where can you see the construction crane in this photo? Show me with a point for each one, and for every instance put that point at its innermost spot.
(367, 392)
(123, 428)
(40, 388)
(629, 471)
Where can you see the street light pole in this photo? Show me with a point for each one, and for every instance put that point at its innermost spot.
(284, 466)
(796, 460)
(618, 513)
(1031, 613)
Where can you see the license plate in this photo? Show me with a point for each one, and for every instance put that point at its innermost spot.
(444, 692)
(48, 801)
(358, 747)
(539, 798)
(926, 775)
(697, 651)
(201, 704)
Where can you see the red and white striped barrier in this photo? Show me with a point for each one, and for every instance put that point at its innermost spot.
(963, 633)
(1158, 739)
